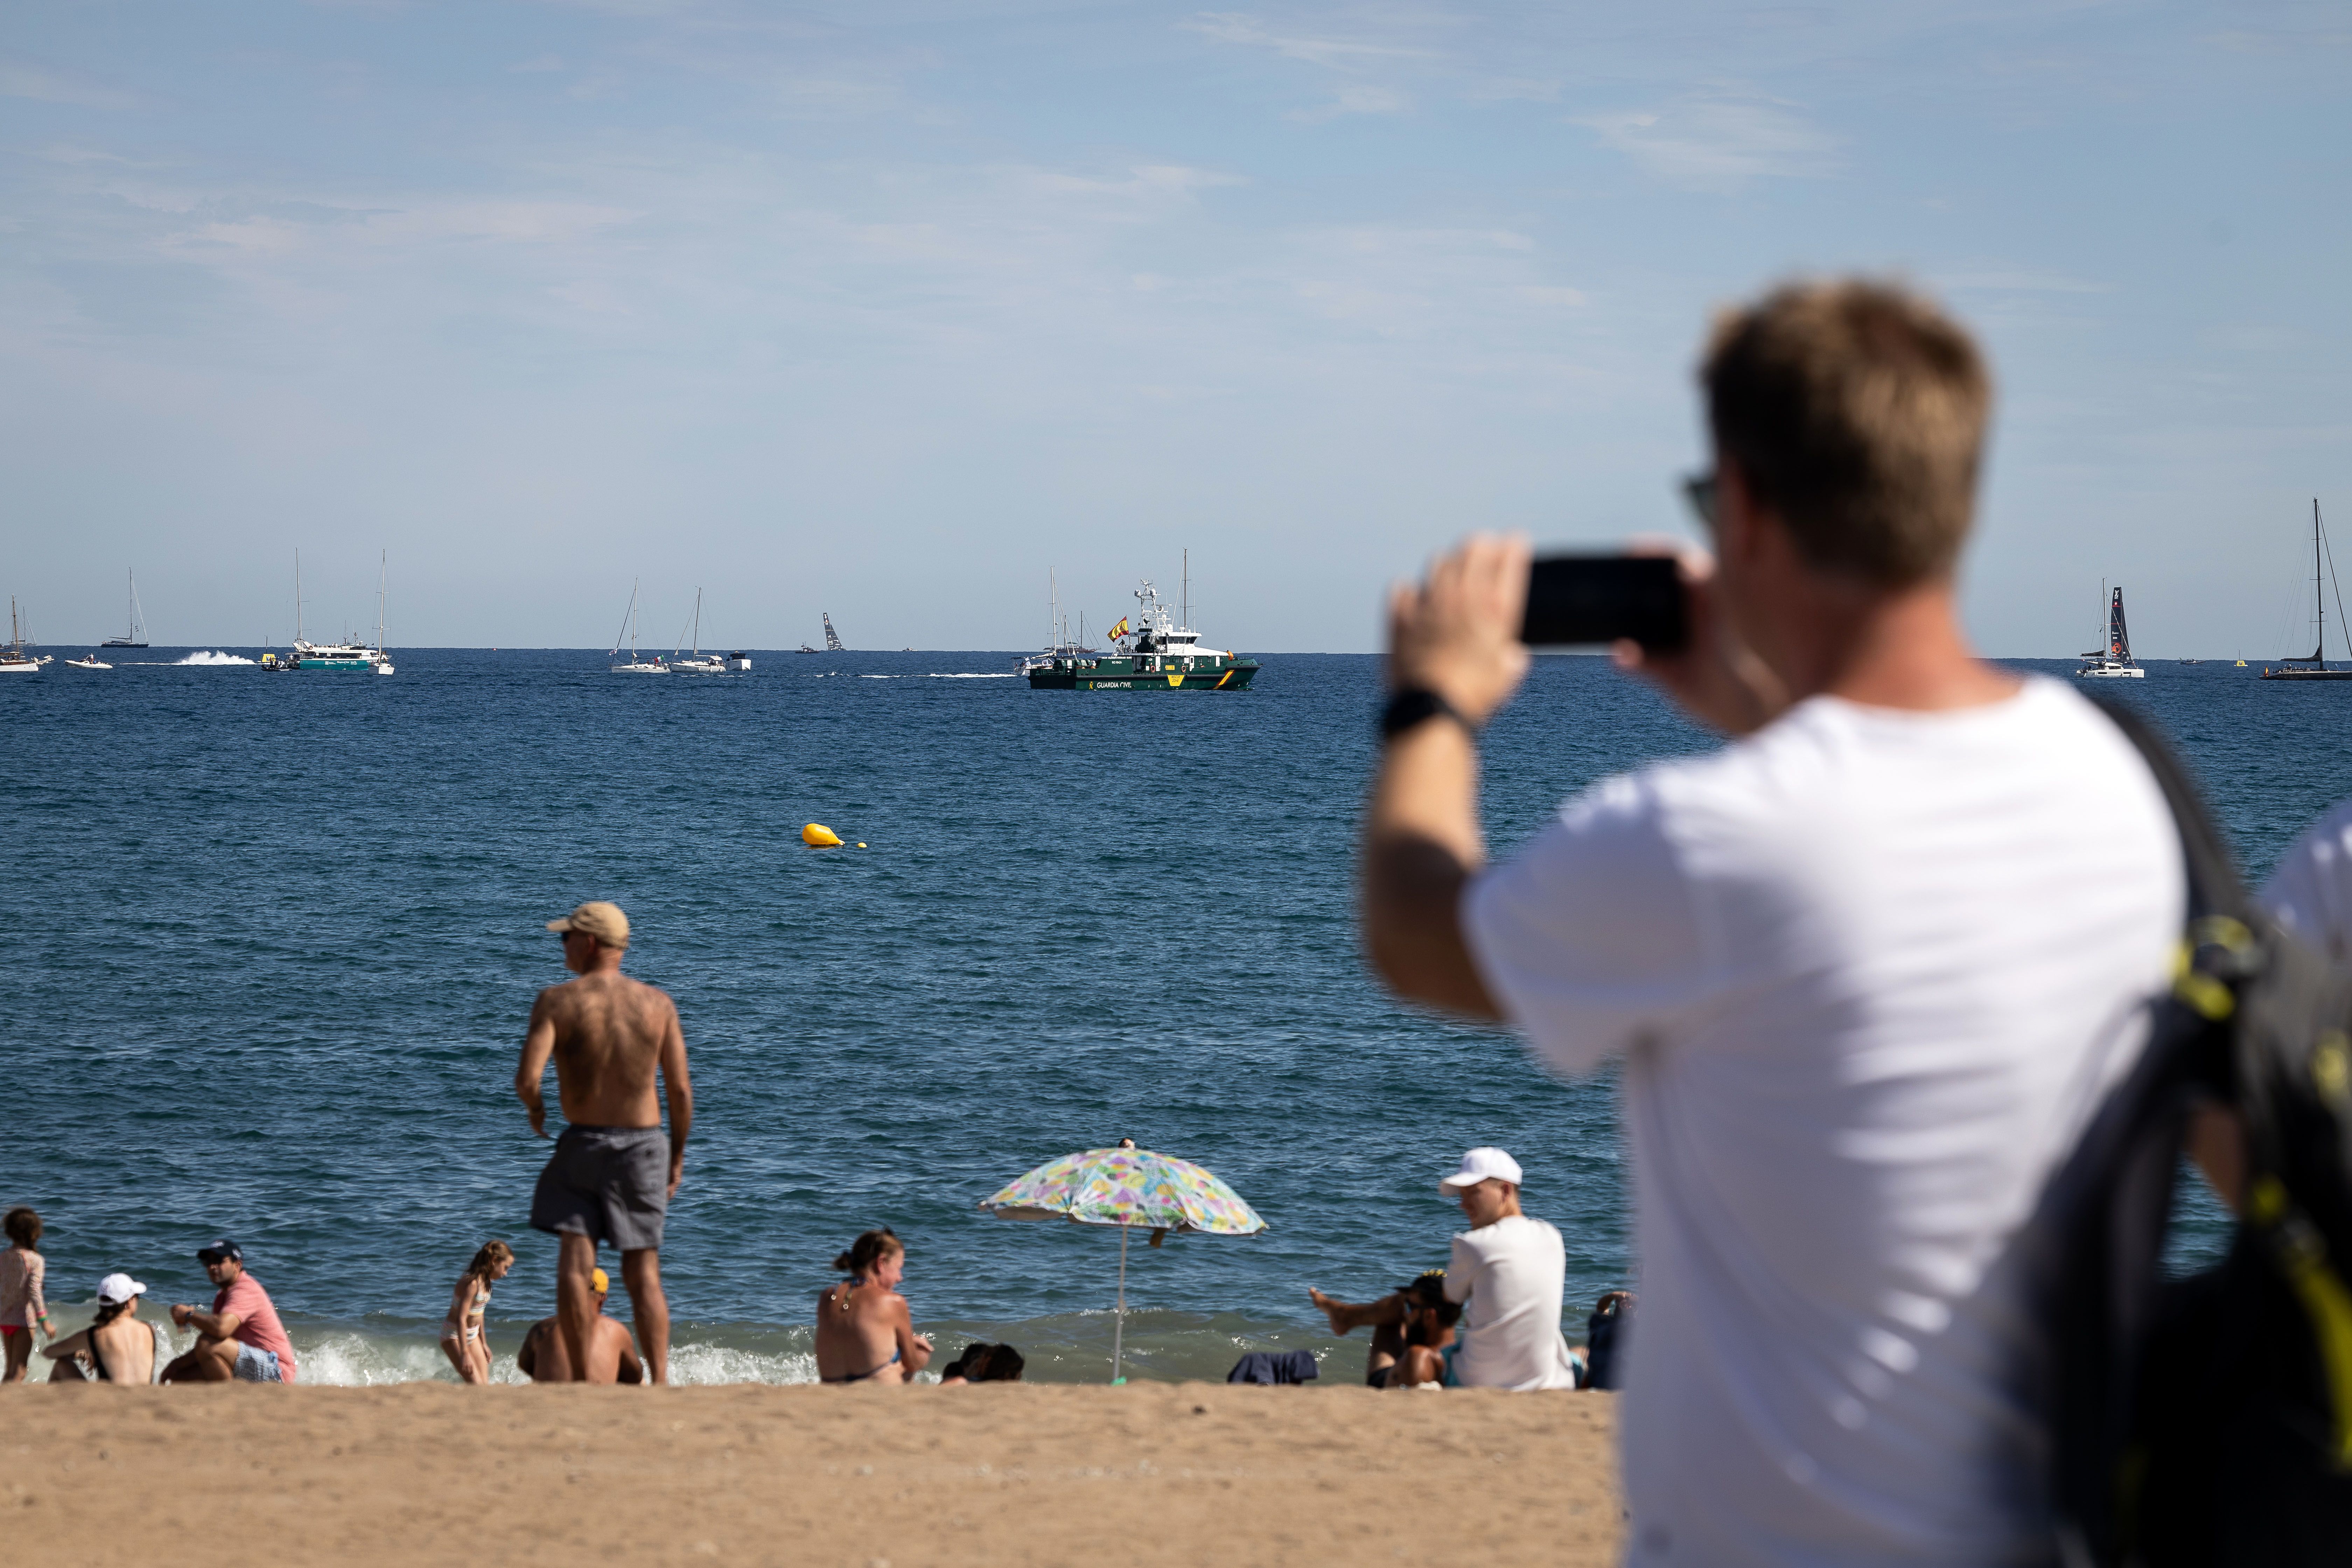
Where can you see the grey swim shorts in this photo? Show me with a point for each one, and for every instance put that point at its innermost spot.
(609, 1184)
(255, 1365)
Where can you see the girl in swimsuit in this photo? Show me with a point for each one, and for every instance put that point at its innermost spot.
(21, 1307)
(863, 1331)
(462, 1339)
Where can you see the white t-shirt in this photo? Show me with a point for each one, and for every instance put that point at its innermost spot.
(1512, 1274)
(2311, 890)
(1871, 972)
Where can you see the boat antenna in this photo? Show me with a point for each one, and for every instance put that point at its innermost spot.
(1186, 600)
(297, 595)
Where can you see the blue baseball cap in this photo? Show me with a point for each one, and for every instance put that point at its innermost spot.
(221, 1251)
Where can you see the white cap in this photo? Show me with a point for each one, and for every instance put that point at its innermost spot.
(117, 1289)
(1481, 1166)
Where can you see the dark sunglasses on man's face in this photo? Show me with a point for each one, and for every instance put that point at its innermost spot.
(1702, 491)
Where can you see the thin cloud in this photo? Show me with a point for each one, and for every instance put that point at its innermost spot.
(1334, 53)
(20, 81)
(1719, 142)
(1356, 100)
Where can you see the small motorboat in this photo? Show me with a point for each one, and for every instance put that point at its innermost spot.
(88, 661)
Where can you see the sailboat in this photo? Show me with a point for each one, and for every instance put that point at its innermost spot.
(15, 658)
(2316, 666)
(635, 666)
(697, 662)
(2115, 661)
(137, 635)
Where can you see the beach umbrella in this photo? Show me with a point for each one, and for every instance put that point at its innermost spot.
(1126, 1187)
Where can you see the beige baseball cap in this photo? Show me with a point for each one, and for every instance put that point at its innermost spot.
(602, 920)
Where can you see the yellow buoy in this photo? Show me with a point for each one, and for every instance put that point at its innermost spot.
(819, 835)
(861, 843)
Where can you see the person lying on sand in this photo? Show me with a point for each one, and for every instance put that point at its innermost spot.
(612, 1354)
(863, 1330)
(984, 1363)
(241, 1337)
(462, 1339)
(1417, 1314)
(608, 1181)
(117, 1347)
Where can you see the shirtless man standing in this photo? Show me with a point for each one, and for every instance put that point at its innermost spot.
(607, 1182)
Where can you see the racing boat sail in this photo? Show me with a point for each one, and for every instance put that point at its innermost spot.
(2114, 661)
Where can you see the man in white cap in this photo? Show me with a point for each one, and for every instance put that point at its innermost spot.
(609, 1180)
(1510, 1271)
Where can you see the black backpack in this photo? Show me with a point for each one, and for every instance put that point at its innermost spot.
(2208, 1421)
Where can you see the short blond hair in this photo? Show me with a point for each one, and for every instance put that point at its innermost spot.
(1855, 411)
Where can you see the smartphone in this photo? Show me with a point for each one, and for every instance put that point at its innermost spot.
(1584, 599)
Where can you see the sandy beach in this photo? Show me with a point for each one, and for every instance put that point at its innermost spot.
(1176, 1473)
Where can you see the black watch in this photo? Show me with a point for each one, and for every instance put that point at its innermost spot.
(1417, 705)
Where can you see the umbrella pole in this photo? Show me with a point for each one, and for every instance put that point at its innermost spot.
(1119, 1328)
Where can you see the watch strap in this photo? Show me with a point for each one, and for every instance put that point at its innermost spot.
(1416, 705)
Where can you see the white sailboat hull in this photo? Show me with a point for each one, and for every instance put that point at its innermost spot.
(2111, 672)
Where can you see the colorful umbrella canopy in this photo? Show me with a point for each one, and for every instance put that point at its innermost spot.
(1126, 1187)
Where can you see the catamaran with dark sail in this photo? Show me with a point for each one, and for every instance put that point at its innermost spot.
(2115, 661)
(2316, 666)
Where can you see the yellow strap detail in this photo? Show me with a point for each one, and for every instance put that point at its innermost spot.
(2208, 995)
(2329, 1306)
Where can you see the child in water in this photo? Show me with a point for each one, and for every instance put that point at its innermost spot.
(22, 1309)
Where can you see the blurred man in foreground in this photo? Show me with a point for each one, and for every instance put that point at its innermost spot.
(1871, 966)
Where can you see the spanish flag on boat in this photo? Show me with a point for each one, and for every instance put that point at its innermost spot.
(1120, 630)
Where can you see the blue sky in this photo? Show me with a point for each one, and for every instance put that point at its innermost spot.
(886, 308)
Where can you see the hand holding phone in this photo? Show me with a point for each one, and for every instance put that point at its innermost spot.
(1588, 599)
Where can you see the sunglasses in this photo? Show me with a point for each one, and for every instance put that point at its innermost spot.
(1703, 491)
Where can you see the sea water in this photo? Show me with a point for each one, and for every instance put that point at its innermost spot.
(272, 940)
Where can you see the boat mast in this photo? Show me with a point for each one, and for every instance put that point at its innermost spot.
(2318, 598)
(298, 597)
(382, 561)
(1185, 601)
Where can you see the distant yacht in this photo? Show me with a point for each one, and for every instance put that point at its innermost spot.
(349, 657)
(137, 635)
(832, 641)
(2115, 661)
(2316, 666)
(698, 662)
(15, 659)
(635, 666)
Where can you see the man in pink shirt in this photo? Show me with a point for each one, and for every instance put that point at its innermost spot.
(240, 1338)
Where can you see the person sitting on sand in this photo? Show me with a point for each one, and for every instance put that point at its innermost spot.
(21, 1308)
(982, 1362)
(1414, 1314)
(241, 1337)
(864, 1333)
(612, 1354)
(117, 1347)
(462, 1337)
(1510, 1270)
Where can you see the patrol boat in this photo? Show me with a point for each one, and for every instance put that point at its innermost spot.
(1155, 654)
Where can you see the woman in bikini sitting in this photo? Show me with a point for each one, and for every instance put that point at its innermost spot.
(864, 1333)
(462, 1339)
(117, 1347)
